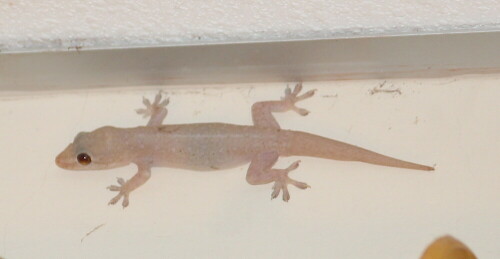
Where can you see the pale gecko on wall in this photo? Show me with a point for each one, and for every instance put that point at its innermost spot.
(212, 146)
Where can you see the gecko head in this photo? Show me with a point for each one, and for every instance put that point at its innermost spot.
(94, 150)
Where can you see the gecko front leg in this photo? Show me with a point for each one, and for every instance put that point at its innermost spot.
(260, 171)
(126, 187)
(262, 111)
(157, 111)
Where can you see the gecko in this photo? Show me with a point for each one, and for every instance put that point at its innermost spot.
(212, 146)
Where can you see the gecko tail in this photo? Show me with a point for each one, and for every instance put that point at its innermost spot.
(305, 144)
(379, 159)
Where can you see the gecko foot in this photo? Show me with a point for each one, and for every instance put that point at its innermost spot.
(281, 184)
(122, 192)
(153, 108)
(291, 97)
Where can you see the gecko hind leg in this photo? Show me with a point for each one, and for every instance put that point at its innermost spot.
(262, 111)
(260, 171)
(157, 110)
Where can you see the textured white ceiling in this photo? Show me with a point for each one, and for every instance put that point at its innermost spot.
(62, 24)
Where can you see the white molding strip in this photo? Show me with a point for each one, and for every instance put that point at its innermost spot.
(308, 60)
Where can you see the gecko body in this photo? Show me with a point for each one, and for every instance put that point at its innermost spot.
(212, 146)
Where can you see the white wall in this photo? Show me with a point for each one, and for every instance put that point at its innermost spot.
(48, 24)
(353, 210)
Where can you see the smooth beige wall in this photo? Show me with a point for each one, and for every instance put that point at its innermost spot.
(353, 210)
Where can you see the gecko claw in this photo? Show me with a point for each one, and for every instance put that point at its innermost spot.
(152, 108)
(122, 192)
(293, 166)
(297, 89)
(308, 94)
(300, 111)
(292, 97)
(281, 184)
(113, 188)
(276, 192)
(115, 199)
(125, 201)
(286, 194)
(120, 181)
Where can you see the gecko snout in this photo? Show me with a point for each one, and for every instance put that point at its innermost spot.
(60, 161)
(65, 159)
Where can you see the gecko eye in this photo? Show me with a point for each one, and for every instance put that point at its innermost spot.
(83, 159)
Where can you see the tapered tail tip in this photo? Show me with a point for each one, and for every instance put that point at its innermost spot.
(428, 168)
